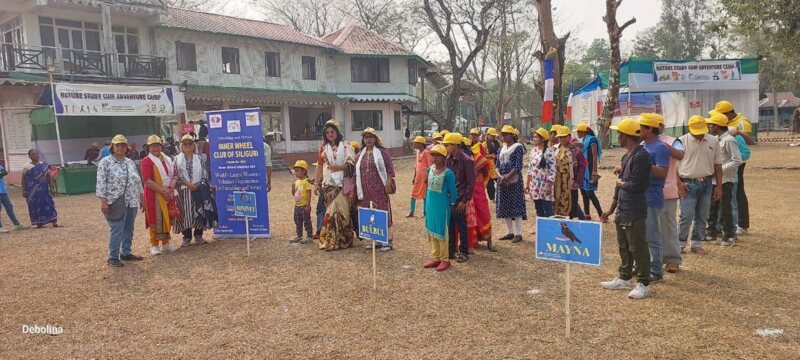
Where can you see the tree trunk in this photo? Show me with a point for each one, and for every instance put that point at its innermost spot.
(612, 95)
(796, 122)
(549, 40)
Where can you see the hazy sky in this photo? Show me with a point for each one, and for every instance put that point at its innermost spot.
(582, 17)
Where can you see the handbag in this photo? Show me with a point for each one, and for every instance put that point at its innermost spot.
(512, 180)
(391, 187)
(173, 208)
(349, 186)
(116, 210)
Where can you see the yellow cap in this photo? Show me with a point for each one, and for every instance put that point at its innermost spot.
(154, 139)
(118, 139)
(467, 141)
(582, 127)
(474, 131)
(650, 120)
(628, 126)
(718, 119)
(554, 128)
(516, 131)
(507, 129)
(439, 149)
(355, 145)
(492, 131)
(436, 135)
(300, 164)
(369, 131)
(419, 140)
(543, 133)
(444, 132)
(452, 139)
(96, 145)
(722, 107)
(697, 125)
(187, 138)
(563, 131)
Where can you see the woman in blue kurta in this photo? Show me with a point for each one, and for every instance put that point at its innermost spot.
(510, 189)
(592, 151)
(440, 198)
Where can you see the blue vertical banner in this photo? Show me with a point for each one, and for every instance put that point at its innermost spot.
(236, 149)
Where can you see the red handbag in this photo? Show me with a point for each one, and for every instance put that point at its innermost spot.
(173, 208)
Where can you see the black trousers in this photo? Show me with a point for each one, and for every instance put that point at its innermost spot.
(633, 251)
(590, 196)
(575, 210)
(742, 205)
(458, 222)
(490, 188)
(725, 206)
(187, 234)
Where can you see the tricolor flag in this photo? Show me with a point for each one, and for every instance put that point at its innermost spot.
(549, 78)
(569, 102)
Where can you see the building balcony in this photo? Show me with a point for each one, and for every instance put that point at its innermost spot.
(69, 63)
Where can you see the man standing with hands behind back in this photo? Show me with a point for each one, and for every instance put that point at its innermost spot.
(464, 169)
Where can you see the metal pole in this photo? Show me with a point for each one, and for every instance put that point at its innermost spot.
(55, 117)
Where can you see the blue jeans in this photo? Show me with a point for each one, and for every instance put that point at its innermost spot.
(654, 239)
(6, 203)
(543, 208)
(121, 234)
(694, 210)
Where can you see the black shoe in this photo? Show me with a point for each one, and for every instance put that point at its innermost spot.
(655, 279)
(517, 239)
(491, 248)
(115, 263)
(507, 237)
(131, 257)
(462, 258)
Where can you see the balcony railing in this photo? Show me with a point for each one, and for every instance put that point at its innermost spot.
(71, 62)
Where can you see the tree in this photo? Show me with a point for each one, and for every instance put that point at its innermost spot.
(203, 5)
(680, 32)
(443, 16)
(549, 40)
(612, 95)
(597, 55)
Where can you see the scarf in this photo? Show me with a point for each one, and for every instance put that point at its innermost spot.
(166, 174)
(379, 163)
(337, 177)
(506, 151)
(197, 171)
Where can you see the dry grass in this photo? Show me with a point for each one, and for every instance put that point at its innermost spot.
(289, 301)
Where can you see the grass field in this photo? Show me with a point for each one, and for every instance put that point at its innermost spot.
(294, 301)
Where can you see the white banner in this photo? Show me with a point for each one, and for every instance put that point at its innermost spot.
(114, 100)
(695, 71)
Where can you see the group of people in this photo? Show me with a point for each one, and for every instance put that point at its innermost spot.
(701, 172)
(173, 192)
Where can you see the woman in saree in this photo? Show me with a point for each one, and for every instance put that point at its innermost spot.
(479, 218)
(336, 166)
(36, 190)
(158, 175)
(192, 172)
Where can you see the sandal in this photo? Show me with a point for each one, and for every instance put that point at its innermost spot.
(460, 258)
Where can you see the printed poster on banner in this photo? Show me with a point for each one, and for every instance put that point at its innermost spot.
(571, 241)
(373, 224)
(237, 165)
(113, 100)
(696, 71)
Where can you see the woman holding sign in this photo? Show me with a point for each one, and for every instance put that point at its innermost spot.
(336, 166)
(158, 175)
(375, 176)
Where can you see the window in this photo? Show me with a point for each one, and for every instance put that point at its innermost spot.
(185, 56)
(369, 70)
(363, 119)
(306, 123)
(309, 68)
(70, 35)
(230, 60)
(273, 64)
(412, 72)
(398, 120)
(126, 41)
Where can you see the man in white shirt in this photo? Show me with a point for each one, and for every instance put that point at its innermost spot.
(731, 159)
